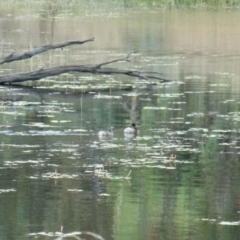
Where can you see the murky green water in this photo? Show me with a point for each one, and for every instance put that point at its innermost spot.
(178, 179)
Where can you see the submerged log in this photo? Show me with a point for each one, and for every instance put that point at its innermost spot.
(53, 71)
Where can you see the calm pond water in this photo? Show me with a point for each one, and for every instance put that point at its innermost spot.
(178, 179)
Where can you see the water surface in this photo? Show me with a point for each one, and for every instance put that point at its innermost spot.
(178, 179)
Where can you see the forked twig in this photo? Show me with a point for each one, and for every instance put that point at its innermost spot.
(126, 59)
(129, 174)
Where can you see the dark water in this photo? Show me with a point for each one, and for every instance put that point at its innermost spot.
(178, 179)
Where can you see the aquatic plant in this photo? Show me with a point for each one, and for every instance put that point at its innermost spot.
(62, 235)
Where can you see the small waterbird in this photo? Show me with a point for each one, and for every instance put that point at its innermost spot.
(106, 134)
(131, 129)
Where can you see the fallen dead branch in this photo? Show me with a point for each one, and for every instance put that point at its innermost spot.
(53, 71)
(28, 54)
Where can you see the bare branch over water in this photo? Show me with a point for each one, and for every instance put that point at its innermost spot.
(30, 53)
(89, 68)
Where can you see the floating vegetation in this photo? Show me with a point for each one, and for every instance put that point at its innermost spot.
(169, 95)
(161, 130)
(135, 165)
(38, 124)
(23, 161)
(104, 195)
(21, 145)
(56, 175)
(25, 103)
(224, 131)
(60, 121)
(79, 130)
(162, 108)
(229, 223)
(195, 77)
(99, 171)
(205, 130)
(132, 94)
(144, 138)
(43, 132)
(7, 190)
(154, 108)
(16, 163)
(228, 101)
(219, 85)
(224, 73)
(209, 220)
(198, 92)
(105, 145)
(47, 111)
(87, 88)
(179, 103)
(75, 190)
(62, 235)
(195, 114)
(145, 99)
(155, 160)
(15, 113)
(66, 150)
(45, 115)
(101, 96)
(96, 170)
